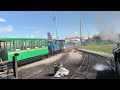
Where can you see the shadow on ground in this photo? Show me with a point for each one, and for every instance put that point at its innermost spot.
(50, 74)
(107, 74)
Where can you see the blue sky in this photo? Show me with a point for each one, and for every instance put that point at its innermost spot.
(36, 24)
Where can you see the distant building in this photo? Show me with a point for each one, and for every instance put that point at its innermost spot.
(67, 40)
(72, 40)
(49, 36)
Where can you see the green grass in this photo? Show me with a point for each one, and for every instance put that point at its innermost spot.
(106, 48)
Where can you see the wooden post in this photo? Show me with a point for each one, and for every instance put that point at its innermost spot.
(15, 66)
(55, 67)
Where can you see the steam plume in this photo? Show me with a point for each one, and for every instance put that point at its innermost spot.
(107, 29)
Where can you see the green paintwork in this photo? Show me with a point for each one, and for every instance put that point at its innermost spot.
(28, 53)
(5, 39)
(25, 53)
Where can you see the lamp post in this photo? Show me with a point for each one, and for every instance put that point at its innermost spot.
(55, 19)
(80, 34)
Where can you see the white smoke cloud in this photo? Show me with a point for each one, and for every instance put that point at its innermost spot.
(8, 28)
(100, 67)
(107, 29)
(2, 20)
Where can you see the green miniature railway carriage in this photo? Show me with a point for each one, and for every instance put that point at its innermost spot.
(26, 47)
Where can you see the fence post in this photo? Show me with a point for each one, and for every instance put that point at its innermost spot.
(15, 65)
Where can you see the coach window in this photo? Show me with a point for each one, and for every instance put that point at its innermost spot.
(17, 46)
(12, 46)
(2, 45)
(43, 43)
(25, 45)
(8, 45)
(28, 44)
(32, 44)
(19, 43)
(22, 45)
(40, 43)
(36, 43)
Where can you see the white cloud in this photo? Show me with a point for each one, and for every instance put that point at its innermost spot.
(8, 28)
(32, 36)
(36, 32)
(54, 37)
(73, 34)
(2, 20)
(76, 33)
(27, 36)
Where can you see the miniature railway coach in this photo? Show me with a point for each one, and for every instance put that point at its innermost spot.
(28, 48)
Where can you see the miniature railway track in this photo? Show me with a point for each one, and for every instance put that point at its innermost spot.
(106, 59)
(81, 75)
(5, 70)
(88, 60)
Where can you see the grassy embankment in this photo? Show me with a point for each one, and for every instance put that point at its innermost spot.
(106, 48)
